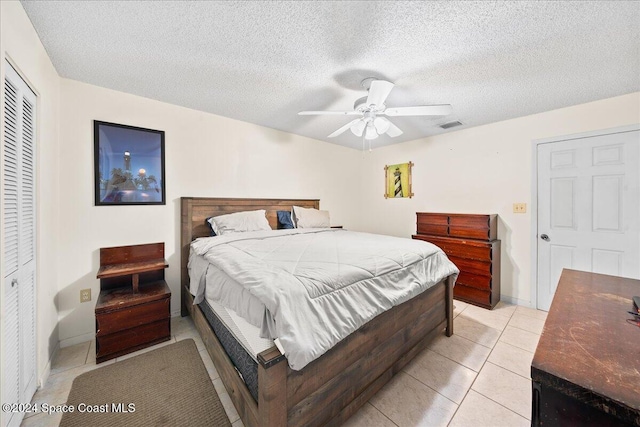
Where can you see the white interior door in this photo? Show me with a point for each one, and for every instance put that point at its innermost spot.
(588, 208)
(19, 243)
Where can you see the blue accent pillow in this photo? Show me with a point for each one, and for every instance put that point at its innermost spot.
(208, 224)
(284, 220)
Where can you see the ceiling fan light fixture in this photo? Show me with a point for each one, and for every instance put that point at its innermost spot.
(358, 128)
(381, 124)
(370, 125)
(370, 132)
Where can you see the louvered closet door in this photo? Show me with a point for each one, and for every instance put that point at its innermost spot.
(19, 243)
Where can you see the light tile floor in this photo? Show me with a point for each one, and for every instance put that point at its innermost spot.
(480, 376)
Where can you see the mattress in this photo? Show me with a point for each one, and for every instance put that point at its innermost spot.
(311, 288)
(240, 341)
(248, 336)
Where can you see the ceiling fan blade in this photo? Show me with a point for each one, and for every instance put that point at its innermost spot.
(344, 128)
(329, 113)
(378, 92)
(420, 110)
(393, 130)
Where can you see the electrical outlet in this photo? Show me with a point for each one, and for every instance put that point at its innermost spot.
(85, 295)
(519, 208)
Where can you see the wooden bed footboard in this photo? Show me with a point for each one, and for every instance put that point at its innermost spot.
(332, 388)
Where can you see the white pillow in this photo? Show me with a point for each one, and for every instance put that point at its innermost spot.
(310, 218)
(239, 222)
(213, 225)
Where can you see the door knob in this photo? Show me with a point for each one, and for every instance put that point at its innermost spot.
(545, 237)
(14, 282)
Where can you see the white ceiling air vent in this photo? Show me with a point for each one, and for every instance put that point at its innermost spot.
(451, 125)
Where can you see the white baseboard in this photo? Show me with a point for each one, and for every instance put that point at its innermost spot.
(517, 301)
(77, 340)
(44, 376)
(176, 313)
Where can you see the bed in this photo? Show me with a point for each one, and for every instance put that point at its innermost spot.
(331, 388)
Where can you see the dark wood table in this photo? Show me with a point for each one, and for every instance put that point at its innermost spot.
(586, 370)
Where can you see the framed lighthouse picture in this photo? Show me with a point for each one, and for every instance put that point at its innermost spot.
(397, 181)
(128, 165)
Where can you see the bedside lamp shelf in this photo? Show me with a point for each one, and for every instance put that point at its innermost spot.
(133, 309)
(133, 268)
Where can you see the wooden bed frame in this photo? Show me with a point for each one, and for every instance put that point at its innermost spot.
(332, 388)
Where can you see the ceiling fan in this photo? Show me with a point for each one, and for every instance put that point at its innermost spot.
(372, 110)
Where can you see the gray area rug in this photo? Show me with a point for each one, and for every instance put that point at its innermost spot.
(169, 386)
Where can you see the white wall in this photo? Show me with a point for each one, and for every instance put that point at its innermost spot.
(482, 170)
(206, 155)
(21, 45)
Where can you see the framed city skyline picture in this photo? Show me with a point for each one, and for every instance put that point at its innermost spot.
(397, 181)
(128, 164)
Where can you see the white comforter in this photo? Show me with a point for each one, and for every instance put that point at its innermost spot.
(314, 287)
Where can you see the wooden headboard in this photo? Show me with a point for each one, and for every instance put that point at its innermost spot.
(195, 210)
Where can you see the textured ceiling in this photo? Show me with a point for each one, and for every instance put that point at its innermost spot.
(262, 62)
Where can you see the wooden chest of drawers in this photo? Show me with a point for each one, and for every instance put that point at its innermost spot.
(470, 243)
(127, 321)
(133, 309)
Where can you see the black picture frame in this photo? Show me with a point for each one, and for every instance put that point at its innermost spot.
(128, 165)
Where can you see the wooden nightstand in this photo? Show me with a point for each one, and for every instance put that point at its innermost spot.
(133, 309)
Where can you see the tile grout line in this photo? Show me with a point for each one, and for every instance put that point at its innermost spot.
(450, 359)
(500, 316)
(490, 327)
(472, 342)
(374, 407)
(501, 405)
(464, 366)
(524, 313)
(516, 347)
(70, 367)
(476, 378)
(431, 388)
(521, 329)
(531, 317)
(86, 357)
(508, 370)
